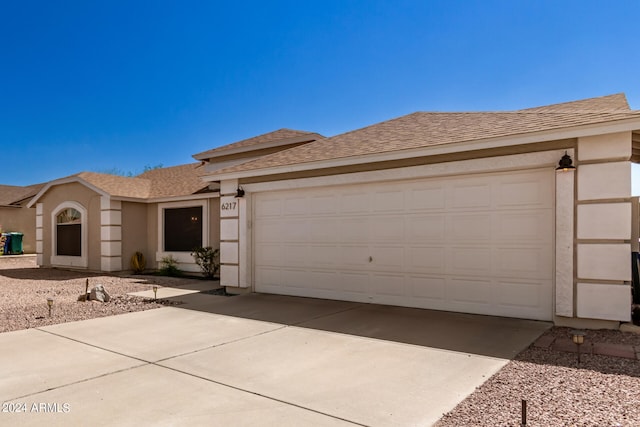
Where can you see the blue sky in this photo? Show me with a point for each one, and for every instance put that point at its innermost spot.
(120, 85)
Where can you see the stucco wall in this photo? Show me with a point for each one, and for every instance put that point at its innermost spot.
(20, 220)
(134, 233)
(152, 235)
(214, 223)
(87, 198)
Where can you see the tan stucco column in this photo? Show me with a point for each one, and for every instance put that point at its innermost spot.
(603, 289)
(233, 237)
(110, 234)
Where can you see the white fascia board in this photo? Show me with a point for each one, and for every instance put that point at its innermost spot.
(202, 196)
(63, 181)
(482, 144)
(304, 138)
(533, 160)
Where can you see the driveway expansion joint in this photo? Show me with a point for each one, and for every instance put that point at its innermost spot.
(321, 316)
(264, 396)
(158, 364)
(84, 380)
(220, 344)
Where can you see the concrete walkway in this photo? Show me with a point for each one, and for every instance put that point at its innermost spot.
(254, 360)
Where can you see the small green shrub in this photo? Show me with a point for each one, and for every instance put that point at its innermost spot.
(207, 260)
(169, 267)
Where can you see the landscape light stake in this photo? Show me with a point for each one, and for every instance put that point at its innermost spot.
(155, 292)
(50, 304)
(524, 414)
(577, 336)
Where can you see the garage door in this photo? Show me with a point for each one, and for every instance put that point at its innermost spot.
(476, 244)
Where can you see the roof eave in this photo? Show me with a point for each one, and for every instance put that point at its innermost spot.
(181, 198)
(62, 181)
(630, 124)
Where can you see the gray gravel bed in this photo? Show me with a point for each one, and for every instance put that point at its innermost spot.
(600, 391)
(24, 290)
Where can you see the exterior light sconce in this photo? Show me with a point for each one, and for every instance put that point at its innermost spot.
(565, 164)
(239, 192)
(50, 304)
(577, 336)
(155, 292)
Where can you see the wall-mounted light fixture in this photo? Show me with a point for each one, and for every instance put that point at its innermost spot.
(565, 164)
(239, 192)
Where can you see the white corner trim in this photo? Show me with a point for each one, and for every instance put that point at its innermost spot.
(564, 215)
(109, 204)
(110, 263)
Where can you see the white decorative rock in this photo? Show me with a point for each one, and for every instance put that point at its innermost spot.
(99, 293)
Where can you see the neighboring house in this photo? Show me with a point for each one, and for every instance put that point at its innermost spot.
(465, 212)
(98, 221)
(16, 217)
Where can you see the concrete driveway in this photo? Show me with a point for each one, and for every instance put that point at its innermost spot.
(254, 360)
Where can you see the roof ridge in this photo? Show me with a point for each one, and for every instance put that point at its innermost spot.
(618, 97)
(278, 135)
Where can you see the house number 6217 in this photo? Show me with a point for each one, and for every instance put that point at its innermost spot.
(228, 206)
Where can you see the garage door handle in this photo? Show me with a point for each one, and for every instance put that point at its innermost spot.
(370, 259)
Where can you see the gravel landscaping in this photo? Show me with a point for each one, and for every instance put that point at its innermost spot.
(600, 391)
(24, 290)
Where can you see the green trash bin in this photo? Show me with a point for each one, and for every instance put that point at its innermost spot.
(16, 244)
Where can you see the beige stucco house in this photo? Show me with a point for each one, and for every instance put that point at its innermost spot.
(466, 212)
(96, 222)
(16, 217)
(524, 213)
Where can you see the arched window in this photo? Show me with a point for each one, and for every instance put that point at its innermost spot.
(69, 232)
(69, 245)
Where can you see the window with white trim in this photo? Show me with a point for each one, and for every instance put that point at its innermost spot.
(69, 233)
(182, 229)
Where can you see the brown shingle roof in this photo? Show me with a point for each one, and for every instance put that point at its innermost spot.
(424, 129)
(118, 186)
(278, 135)
(176, 181)
(172, 181)
(616, 102)
(11, 194)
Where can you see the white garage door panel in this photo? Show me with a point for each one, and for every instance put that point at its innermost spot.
(477, 244)
(427, 288)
